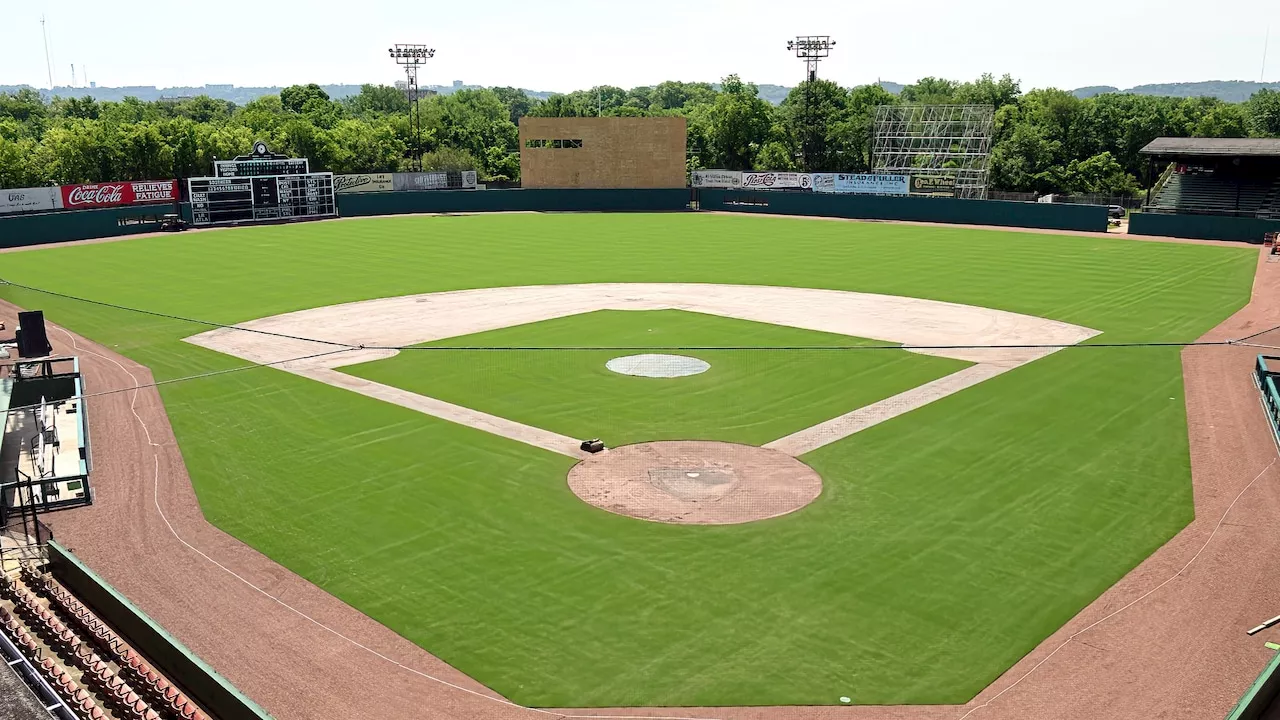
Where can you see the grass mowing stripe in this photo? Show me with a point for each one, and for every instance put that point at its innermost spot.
(946, 544)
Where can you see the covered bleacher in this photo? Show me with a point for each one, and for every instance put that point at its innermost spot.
(1233, 177)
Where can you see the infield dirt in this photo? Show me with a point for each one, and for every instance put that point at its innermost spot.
(1167, 641)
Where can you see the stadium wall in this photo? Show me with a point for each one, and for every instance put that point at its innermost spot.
(439, 201)
(1202, 227)
(1259, 700)
(38, 229)
(603, 152)
(1091, 218)
(209, 689)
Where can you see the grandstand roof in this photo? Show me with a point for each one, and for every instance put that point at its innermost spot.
(1214, 147)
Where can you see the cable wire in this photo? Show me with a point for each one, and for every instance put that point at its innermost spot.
(880, 346)
(187, 378)
(167, 316)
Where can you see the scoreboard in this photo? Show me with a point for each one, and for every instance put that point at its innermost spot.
(261, 166)
(250, 199)
(261, 162)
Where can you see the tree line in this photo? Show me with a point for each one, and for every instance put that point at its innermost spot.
(1045, 140)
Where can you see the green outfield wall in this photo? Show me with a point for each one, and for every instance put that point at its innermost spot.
(54, 227)
(1052, 216)
(446, 201)
(1259, 701)
(1202, 227)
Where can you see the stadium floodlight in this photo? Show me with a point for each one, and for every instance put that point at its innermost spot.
(812, 49)
(412, 56)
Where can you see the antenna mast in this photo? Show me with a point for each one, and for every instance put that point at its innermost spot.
(47, 63)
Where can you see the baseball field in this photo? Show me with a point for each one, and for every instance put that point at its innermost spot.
(423, 480)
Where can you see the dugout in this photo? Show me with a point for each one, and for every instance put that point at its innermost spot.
(603, 152)
(44, 448)
(1211, 188)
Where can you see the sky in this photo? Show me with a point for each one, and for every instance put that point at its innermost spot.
(575, 44)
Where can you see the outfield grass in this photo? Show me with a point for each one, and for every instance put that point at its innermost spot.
(947, 543)
(748, 396)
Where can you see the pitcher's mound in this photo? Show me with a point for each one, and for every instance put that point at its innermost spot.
(695, 482)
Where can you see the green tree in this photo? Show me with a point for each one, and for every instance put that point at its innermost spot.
(25, 106)
(478, 122)
(375, 100)
(674, 95)
(986, 90)
(1100, 175)
(931, 90)
(517, 101)
(1264, 113)
(815, 117)
(295, 97)
(738, 124)
(775, 156)
(447, 159)
(85, 108)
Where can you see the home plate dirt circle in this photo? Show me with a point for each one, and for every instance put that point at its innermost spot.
(695, 482)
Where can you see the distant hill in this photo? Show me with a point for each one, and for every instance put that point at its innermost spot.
(776, 93)
(237, 95)
(1228, 90)
(1092, 90)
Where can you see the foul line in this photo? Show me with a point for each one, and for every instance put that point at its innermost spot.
(1137, 600)
(155, 496)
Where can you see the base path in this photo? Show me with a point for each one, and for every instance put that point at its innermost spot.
(1179, 652)
(372, 328)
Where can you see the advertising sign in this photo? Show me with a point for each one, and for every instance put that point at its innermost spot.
(367, 182)
(452, 180)
(860, 184)
(717, 179)
(30, 200)
(934, 185)
(776, 181)
(75, 197)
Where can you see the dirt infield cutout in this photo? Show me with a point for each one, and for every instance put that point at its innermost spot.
(695, 482)
(996, 341)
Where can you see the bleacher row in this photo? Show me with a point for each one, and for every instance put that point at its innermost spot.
(94, 670)
(1210, 194)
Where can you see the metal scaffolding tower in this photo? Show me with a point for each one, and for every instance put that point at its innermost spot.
(944, 140)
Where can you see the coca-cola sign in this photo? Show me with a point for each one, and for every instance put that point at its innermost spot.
(776, 180)
(122, 193)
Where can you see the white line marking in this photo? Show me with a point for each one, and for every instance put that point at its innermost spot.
(839, 428)
(476, 419)
(155, 496)
(1137, 600)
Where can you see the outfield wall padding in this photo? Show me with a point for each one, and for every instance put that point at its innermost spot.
(55, 227)
(202, 683)
(1202, 227)
(1052, 216)
(445, 201)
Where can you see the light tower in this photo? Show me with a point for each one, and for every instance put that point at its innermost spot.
(412, 57)
(811, 49)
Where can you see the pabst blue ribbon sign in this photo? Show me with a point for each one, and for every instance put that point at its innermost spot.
(776, 180)
(76, 197)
